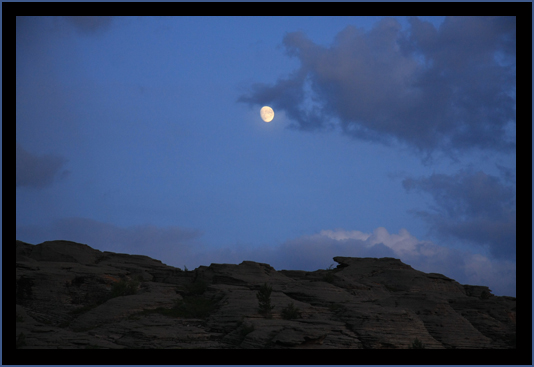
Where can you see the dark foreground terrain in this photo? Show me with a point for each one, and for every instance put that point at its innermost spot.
(70, 295)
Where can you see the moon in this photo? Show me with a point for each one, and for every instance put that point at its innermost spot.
(267, 114)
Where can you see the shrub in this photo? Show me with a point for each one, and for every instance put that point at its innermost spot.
(329, 276)
(124, 288)
(197, 288)
(417, 344)
(193, 307)
(264, 300)
(188, 307)
(291, 312)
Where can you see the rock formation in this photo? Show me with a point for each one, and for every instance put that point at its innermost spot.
(70, 295)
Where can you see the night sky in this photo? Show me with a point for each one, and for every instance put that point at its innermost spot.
(392, 137)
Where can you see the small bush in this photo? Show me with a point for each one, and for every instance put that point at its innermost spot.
(417, 344)
(124, 288)
(197, 288)
(264, 300)
(193, 307)
(329, 276)
(291, 312)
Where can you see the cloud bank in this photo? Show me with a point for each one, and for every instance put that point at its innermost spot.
(450, 89)
(473, 207)
(37, 171)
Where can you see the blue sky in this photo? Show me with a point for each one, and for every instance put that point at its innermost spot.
(392, 137)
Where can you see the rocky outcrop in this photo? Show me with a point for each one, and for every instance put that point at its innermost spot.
(70, 295)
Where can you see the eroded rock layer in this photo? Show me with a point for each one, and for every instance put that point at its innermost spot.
(70, 295)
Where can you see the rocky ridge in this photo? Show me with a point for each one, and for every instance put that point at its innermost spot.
(70, 295)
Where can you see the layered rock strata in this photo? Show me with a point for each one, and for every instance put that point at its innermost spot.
(70, 295)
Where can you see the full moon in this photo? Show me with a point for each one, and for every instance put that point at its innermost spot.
(267, 113)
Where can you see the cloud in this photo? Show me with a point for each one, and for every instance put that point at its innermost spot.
(156, 242)
(37, 171)
(473, 207)
(450, 89)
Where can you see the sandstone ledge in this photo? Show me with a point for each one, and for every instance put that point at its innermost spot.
(69, 296)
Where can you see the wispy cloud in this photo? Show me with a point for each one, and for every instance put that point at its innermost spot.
(471, 206)
(38, 171)
(450, 89)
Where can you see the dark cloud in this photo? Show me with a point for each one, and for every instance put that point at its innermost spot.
(508, 174)
(37, 171)
(156, 242)
(471, 206)
(449, 89)
(90, 24)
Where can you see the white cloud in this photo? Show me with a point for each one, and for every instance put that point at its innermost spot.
(463, 266)
(340, 234)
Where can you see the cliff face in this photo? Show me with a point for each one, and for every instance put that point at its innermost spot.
(72, 296)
